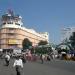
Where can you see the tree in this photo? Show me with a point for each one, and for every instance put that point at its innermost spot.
(72, 40)
(41, 50)
(42, 42)
(26, 43)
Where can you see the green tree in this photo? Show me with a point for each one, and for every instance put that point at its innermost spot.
(26, 43)
(72, 40)
(42, 42)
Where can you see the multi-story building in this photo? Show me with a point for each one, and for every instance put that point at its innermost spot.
(12, 32)
(66, 33)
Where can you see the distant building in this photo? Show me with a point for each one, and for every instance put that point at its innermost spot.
(66, 33)
(12, 32)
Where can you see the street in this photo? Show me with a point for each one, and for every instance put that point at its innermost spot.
(54, 67)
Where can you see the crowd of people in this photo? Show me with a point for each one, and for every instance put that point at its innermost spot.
(31, 57)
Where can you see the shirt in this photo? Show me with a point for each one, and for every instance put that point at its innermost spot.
(8, 57)
(18, 62)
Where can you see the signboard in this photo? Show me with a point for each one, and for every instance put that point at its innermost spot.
(12, 41)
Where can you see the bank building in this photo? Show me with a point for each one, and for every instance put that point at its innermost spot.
(13, 32)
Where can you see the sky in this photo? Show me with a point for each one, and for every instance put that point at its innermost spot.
(43, 15)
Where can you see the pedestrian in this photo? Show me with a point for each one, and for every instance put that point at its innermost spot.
(18, 64)
(23, 58)
(48, 58)
(41, 58)
(7, 59)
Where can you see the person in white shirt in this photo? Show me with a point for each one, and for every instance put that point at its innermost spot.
(18, 64)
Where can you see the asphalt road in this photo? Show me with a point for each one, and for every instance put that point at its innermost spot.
(57, 67)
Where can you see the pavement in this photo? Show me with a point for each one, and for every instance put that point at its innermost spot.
(55, 67)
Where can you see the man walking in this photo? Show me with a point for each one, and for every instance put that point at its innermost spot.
(42, 58)
(7, 59)
(18, 64)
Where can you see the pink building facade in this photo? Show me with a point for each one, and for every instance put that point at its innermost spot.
(12, 32)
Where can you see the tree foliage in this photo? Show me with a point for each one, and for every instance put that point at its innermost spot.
(42, 42)
(41, 50)
(72, 40)
(26, 43)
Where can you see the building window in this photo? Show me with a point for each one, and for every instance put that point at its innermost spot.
(9, 22)
(11, 31)
(11, 28)
(11, 34)
(4, 23)
(17, 23)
